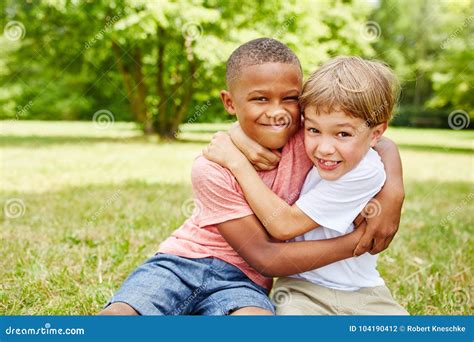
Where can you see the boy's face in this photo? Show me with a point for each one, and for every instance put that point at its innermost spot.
(336, 142)
(265, 100)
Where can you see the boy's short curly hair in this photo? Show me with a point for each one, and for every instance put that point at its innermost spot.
(361, 88)
(258, 51)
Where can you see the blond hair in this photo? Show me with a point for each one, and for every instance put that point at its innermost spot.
(360, 88)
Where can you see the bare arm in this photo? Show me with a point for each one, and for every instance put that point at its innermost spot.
(281, 220)
(384, 211)
(260, 157)
(277, 259)
(388, 151)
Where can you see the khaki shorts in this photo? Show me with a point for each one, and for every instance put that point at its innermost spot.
(300, 297)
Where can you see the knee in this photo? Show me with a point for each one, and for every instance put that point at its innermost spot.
(251, 311)
(119, 309)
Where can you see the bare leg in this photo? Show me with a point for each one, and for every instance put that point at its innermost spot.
(252, 311)
(119, 309)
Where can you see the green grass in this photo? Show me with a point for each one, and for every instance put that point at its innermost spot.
(98, 202)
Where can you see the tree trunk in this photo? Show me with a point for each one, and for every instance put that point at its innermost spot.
(421, 52)
(142, 93)
(170, 115)
(126, 79)
(160, 89)
(188, 86)
(135, 88)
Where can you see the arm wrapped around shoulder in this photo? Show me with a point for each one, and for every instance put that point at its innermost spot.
(260, 157)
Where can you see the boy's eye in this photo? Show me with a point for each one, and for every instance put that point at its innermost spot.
(313, 130)
(344, 134)
(291, 98)
(259, 98)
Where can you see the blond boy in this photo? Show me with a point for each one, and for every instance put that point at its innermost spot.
(347, 104)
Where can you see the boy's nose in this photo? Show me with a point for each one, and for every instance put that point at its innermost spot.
(275, 112)
(279, 116)
(325, 147)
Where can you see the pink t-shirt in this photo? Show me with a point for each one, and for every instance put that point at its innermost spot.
(219, 198)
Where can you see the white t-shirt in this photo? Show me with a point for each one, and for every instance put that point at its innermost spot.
(334, 205)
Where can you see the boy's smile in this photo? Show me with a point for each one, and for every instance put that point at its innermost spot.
(336, 142)
(328, 165)
(265, 100)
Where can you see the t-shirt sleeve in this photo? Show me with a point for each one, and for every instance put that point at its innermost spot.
(295, 147)
(216, 195)
(335, 204)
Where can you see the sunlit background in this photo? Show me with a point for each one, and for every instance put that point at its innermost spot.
(105, 104)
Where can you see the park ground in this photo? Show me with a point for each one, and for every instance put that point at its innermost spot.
(85, 204)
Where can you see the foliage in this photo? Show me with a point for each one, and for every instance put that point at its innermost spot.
(430, 44)
(166, 59)
(161, 63)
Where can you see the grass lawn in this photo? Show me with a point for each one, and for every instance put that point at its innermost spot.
(83, 207)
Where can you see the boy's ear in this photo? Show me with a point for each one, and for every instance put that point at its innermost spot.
(227, 102)
(377, 133)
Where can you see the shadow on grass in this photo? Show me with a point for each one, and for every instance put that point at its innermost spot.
(436, 148)
(134, 204)
(35, 140)
(40, 141)
(201, 131)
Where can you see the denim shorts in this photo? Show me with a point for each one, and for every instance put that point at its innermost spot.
(167, 284)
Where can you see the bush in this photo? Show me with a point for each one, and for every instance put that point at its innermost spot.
(412, 116)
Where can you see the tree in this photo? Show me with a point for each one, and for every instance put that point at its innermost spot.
(453, 69)
(158, 58)
(430, 45)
